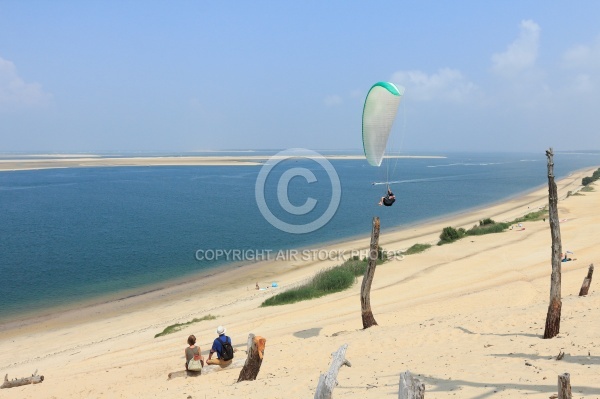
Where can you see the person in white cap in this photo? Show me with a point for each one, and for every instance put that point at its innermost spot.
(222, 347)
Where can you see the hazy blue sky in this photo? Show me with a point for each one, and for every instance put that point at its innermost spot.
(190, 76)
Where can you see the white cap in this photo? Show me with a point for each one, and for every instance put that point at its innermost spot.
(220, 330)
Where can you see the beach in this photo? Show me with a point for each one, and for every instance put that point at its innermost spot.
(466, 318)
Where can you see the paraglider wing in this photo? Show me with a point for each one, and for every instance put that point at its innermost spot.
(379, 113)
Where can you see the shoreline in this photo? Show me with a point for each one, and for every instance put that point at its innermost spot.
(241, 271)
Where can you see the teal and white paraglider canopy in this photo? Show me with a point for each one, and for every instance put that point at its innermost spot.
(379, 112)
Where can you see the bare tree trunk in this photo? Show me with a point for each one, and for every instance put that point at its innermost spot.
(564, 386)
(329, 381)
(410, 387)
(34, 379)
(256, 351)
(554, 308)
(365, 290)
(587, 281)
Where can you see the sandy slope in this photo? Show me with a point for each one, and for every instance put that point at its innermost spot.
(467, 317)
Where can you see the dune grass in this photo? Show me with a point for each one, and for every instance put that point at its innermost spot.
(417, 248)
(178, 326)
(532, 216)
(326, 281)
(488, 229)
(488, 226)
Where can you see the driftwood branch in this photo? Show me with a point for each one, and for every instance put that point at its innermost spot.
(256, 351)
(329, 381)
(587, 281)
(552, 327)
(17, 382)
(564, 386)
(368, 319)
(410, 387)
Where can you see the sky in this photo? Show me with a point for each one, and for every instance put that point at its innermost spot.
(178, 76)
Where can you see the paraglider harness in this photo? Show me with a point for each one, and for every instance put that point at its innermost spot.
(389, 199)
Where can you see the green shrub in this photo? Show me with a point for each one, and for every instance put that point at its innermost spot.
(450, 234)
(488, 229)
(587, 180)
(486, 222)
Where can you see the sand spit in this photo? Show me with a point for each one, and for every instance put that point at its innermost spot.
(49, 161)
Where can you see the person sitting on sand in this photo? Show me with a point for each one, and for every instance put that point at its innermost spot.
(389, 199)
(218, 348)
(192, 351)
(566, 258)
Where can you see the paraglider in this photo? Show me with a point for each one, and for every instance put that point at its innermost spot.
(389, 198)
(379, 113)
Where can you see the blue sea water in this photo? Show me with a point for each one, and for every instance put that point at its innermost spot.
(69, 235)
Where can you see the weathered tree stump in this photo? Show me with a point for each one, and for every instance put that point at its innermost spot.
(329, 381)
(552, 327)
(587, 281)
(410, 387)
(256, 351)
(17, 382)
(365, 290)
(564, 386)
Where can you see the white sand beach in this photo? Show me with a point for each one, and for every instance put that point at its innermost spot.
(466, 318)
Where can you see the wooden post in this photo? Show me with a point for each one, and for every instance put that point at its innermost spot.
(365, 290)
(587, 281)
(554, 308)
(564, 386)
(17, 382)
(329, 381)
(410, 387)
(256, 351)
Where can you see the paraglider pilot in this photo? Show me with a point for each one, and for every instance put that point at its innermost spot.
(389, 199)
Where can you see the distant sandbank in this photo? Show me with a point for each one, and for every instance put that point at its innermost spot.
(50, 161)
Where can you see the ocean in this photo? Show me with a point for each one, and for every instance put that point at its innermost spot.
(79, 234)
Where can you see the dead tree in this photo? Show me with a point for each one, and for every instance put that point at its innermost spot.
(329, 381)
(256, 351)
(365, 290)
(587, 281)
(564, 386)
(410, 387)
(554, 308)
(17, 382)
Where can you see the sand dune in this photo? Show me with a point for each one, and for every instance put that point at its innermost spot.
(467, 318)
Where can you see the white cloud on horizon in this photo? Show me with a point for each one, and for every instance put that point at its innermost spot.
(16, 92)
(583, 56)
(333, 100)
(446, 84)
(521, 54)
